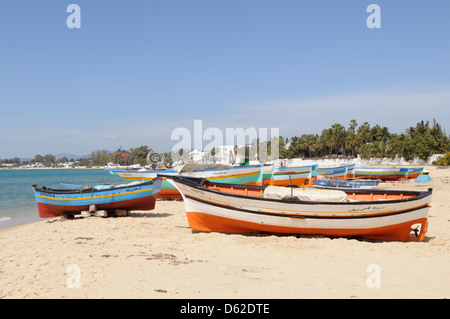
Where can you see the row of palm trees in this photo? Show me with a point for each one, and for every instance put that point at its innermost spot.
(420, 141)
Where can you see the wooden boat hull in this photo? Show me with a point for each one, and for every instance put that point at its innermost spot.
(53, 203)
(247, 175)
(301, 176)
(345, 171)
(390, 215)
(414, 172)
(385, 174)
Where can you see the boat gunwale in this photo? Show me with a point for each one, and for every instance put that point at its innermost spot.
(201, 181)
(126, 170)
(181, 172)
(292, 167)
(90, 189)
(309, 216)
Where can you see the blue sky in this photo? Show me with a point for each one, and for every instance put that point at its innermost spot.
(136, 70)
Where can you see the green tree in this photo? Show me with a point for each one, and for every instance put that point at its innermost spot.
(38, 158)
(351, 139)
(327, 144)
(363, 134)
(49, 159)
(338, 136)
(99, 157)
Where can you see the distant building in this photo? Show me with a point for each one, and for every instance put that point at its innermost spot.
(223, 154)
(197, 156)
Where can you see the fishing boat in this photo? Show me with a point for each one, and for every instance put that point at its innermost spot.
(73, 200)
(385, 174)
(414, 172)
(301, 176)
(344, 171)
(167, 190)
(347, 183)
(247, 175)
(370, 214)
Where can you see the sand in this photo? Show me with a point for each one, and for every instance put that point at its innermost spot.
(154, 254)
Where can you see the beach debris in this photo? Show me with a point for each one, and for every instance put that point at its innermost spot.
(85, 213)
(93, 212)
(161, 290)
(101, 213)
(121, 212)
(424, 178)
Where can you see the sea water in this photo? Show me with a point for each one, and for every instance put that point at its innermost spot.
(17, 199)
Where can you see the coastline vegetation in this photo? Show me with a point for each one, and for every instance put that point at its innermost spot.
(422, 141)
(419, 141)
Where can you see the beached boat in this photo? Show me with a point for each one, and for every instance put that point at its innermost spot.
(301, 176)
(248, 175)
(386, 174)
(71, 201)
(371, 214)
(414, 172)
(344, 171)
(167, 190)
(347, 183)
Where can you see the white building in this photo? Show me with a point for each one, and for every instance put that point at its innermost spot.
(224, 154)
(197, 156)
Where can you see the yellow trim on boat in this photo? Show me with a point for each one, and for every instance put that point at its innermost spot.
(92, 197)
(233, 176)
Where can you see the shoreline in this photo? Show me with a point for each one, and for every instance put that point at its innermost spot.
(330, 161)
(5, 229)
(124, 167)
(28, 168)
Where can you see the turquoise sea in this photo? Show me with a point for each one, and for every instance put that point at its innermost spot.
(17, 200)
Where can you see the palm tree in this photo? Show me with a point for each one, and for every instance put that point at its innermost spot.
(385, 133)
(326, 141)
(351, 136)
(363, 134)
(339, 136)
(411, 131)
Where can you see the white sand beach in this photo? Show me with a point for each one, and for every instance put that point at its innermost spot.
(155, 254)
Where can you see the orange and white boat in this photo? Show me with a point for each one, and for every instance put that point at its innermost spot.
(371, 214)
(248, 175)
(301, 176)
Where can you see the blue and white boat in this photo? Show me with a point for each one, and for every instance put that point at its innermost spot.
(73, 200)
(345, 171)
(346, 183)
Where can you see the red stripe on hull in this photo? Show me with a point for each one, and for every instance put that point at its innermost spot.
(397, 232)
(383, 177)
(48, 210)
(169, 193)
